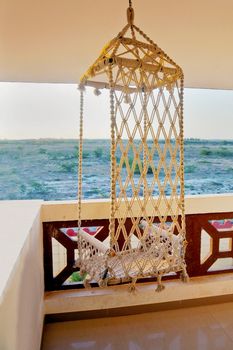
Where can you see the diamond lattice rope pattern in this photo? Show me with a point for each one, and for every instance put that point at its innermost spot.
(147, 133)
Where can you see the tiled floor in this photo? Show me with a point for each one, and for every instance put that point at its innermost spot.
(205, 327)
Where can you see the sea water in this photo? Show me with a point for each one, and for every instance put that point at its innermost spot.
(47, 169)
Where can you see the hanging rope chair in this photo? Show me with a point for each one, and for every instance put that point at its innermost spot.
(147, 222)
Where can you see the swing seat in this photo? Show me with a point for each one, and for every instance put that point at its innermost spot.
(157, 255)
(155, 232)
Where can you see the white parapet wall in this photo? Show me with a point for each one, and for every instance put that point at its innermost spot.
(100, 209)
(21, 275)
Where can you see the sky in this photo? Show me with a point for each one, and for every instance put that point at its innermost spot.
(29, 110)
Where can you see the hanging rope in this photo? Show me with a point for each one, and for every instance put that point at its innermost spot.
(130, 16)
(80, 157)
(113, 161)
(145, 163)
(181, 121)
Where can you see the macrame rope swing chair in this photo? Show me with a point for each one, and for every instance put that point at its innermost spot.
(147, 163)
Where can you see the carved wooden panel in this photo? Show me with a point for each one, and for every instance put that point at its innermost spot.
(209, 249)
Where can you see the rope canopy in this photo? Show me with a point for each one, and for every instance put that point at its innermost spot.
(147, 217)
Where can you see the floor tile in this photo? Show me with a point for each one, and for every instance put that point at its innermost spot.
(205, 328)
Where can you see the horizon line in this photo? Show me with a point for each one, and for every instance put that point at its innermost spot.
(97, 138)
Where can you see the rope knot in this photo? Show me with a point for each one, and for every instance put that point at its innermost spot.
(130, 15)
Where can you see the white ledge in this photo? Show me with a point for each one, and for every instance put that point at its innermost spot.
(17, 219)
(119, 296)
(100, 208)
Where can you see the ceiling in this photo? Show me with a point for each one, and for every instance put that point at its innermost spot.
(56, 40)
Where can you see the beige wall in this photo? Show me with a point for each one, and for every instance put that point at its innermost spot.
(22, 297)
(100, 209)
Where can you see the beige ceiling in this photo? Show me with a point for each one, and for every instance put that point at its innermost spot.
(56, 40)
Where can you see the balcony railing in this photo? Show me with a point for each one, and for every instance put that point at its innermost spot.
(209, 235)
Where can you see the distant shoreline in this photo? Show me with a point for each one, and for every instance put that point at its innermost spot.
(46, 168)
(88, 139)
